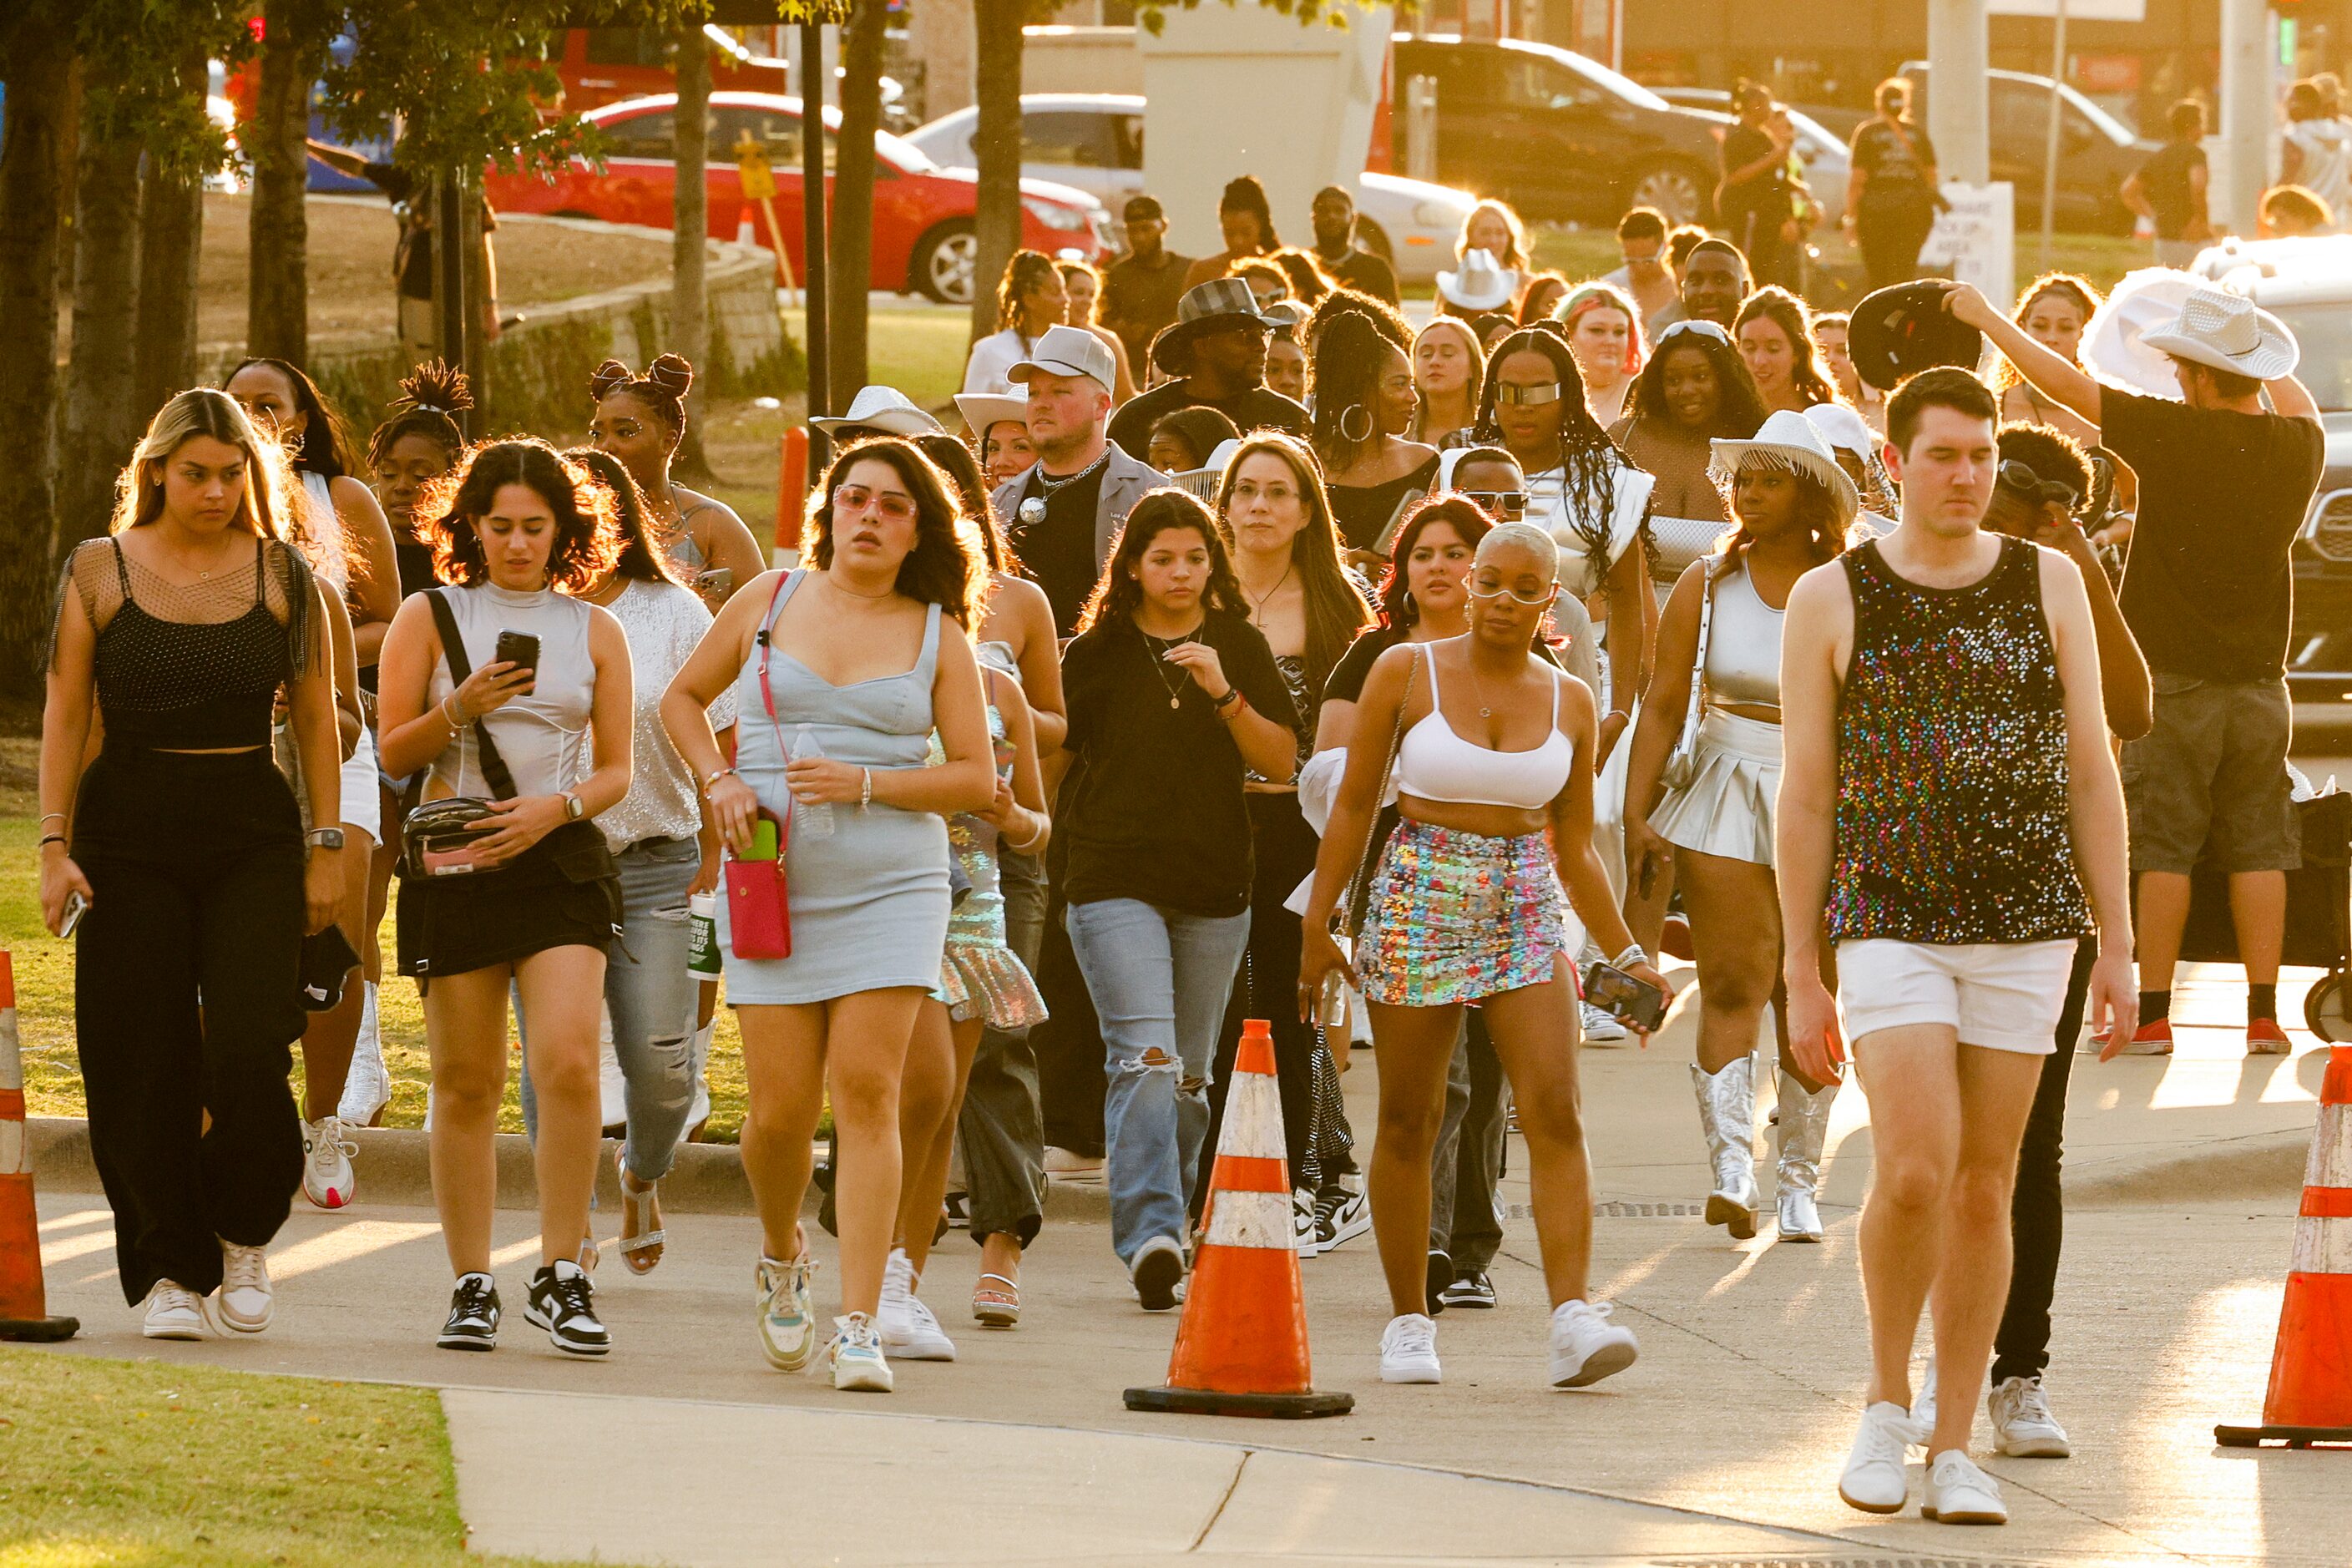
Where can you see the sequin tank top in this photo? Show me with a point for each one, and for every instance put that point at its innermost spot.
(1952, 775)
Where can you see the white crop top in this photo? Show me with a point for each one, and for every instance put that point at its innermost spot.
(541, 737)
(1743, 644)
(1436, 764)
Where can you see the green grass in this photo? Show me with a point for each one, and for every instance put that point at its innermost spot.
(919, 351)
(142, 1463)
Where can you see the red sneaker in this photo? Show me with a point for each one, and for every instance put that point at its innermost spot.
(2150, 1039)
(2265, 1038)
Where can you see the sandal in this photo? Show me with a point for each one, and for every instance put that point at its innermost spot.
(637, 1221)
(996, 1306)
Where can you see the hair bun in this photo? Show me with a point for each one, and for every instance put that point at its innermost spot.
(435, 386)
(605, 377)
(671, 373)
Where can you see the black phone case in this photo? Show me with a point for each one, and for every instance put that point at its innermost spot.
(510, 648)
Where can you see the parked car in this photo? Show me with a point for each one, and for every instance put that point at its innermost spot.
(2096, 151)
(1557, 135)
(1094, 141)
(1824, 155)
(2307, 284)
(606, 65)
(923, 239)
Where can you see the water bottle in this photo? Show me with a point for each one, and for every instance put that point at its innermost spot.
(812, 821)
(702, 935)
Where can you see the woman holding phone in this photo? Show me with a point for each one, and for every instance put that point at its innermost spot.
(1492, 758)
(496, 683)
(640, 419)
(842, 670)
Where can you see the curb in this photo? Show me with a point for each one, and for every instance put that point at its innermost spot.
(2263, 1165)
(395, 1170)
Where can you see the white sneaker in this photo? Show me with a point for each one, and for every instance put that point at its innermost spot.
(174, 1312)
(787, 1321)
(245, 1302)
(1874, 1480)
(1586, 1346)
(1959, 1493)
(855, 1352)
(1602, 1027)
(2022, 1426)
(908, 1328)
(367, 1088)
(1158, 1273)
(1302, 1222)
(1408, 1350)
(327, 1151)
(1922, 1405)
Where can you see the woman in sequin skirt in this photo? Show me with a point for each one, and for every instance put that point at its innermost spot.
(1493, 766)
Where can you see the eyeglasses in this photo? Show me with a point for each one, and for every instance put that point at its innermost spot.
(1705, 329)
(853, 499)
(1528, 395)
(1513, 595)
(2020, 478)
(1508, 505)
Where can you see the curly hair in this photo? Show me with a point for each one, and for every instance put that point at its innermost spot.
(1022, 272)
(1117, 593)
(640, 558)
(431, 397)
(1309, 284)
(1588, 460)
(1339, 302)
(1336, 610)
(2076, 291)
(1397, 608)
(1346, 382)
(587, 518)
(662, 388)
(1739, 402)
(1775, 304)
(325, 445)
(1815, 510)
(944, 568)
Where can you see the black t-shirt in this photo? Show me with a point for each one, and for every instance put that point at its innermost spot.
(1364, 272)
(2164, 180)
(1759, 193)
(2208, 590)
(1059, 548)
(1897, 161)
(1257, 409)
(1154, 808)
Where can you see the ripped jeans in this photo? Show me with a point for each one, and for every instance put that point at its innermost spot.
(651, 997)
(1160, 980)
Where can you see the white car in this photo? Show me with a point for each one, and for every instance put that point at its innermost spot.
(1094, 140)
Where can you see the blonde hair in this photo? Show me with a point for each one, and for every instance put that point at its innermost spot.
(263, 510)
(1516, 259)
(1527, 535)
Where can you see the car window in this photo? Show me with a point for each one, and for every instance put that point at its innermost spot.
(1463, 76)
(1079, 138)
(640, 136)
(2325, 335)
(628, 46)
(779, 136)
(2020, 113)
(1544, 85)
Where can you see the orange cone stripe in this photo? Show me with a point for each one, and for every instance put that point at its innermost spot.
(2336, 1086)
(8, 988)
(2328, 1202)
(1250, 1173)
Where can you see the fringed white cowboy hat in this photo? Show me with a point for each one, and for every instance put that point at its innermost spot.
(1480, 284)
(1789, 441)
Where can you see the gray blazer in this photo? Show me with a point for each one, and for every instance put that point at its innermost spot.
(1123, 484)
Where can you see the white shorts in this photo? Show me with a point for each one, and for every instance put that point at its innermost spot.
(2003, 995)
(362, 801)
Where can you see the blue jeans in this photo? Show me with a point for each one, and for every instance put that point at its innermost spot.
(1160, 980)
(653, 999)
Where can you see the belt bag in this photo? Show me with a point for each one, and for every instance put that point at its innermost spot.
(759, 911)
(440, 837)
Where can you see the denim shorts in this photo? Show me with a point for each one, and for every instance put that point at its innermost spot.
(2210, 778)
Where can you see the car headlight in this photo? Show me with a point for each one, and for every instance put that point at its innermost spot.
(1435, 215)
(1054, 216)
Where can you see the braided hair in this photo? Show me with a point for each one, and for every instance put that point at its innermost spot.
(1588, 460)
(662, 388)
(431, 397)
(1348, 361)
(1025, 271)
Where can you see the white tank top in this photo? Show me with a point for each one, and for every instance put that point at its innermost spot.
(322, 534)
(1743, 643)
(542, 737)
(1436, 764)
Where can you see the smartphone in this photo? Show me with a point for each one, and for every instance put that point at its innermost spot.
(518, 648)
(717, 580)
(1620, 996)
(76, 907)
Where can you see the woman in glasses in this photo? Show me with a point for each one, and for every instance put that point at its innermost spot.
(841, 672)
(1364, 404)
(1719, 649)
(1492, 762)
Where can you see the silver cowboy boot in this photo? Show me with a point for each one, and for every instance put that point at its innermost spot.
(1804, 1127)
(1727, 1114)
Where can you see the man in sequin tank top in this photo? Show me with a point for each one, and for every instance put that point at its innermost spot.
(1948, 797)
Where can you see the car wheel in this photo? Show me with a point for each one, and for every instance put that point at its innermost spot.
(1677, 189)
(944, 261)
(1375, 238)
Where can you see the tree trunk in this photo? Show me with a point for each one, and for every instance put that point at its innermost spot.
(996, 145)
(277, 296)
(35, 56)
(101, 420)
(689, 297)
(171, 233)
(852, 195)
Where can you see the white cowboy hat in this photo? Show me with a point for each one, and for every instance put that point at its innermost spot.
(983, 409)
(879, 408)
(1789, 441)
(2115, 342)
(1843, 429)
(1203, 481)
(1480, 284)
(2228, 332)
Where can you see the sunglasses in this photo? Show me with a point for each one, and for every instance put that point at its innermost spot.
(2020, 480)
(1704, 329)
(1528, 397)
(1513, 595)
(1508, 505)
(850, 501)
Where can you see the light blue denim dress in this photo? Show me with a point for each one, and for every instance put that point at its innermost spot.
(869, 904)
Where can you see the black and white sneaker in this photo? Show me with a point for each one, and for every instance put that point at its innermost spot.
(1471, 1289)
(1341, 1214)
(473, 1323)
(562, 1303)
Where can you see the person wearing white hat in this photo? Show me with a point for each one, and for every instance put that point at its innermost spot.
(2225, 484)
(1477, 284)
(876, 411)
(999, 423)
(1855, 446)
(1701, 788)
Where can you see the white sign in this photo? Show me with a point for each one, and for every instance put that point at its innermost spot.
(2076, 10)
(1976, 238)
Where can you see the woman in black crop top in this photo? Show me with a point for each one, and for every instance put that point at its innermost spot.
(182, 841)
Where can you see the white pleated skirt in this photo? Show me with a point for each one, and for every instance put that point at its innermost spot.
(1727, 807)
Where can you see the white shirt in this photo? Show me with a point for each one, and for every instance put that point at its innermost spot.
(2326, 169)
(992, 359)
(665, 622)
(1547, 509)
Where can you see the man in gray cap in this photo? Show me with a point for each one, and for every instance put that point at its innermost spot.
(1063, 514)
(1216, 351)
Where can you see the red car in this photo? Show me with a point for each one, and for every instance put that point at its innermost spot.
(923, 239)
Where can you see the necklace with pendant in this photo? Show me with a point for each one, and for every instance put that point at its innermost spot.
(1478, 688)
(1155, 650)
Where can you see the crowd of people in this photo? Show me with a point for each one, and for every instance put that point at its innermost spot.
(1417, 707)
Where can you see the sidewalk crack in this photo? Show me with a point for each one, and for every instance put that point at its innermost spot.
(1218, 1512)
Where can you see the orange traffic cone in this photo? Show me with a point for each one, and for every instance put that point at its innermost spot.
(1241, 1349)
(2311, 1371)
(24, 1306)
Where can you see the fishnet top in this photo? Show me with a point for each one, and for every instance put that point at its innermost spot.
(195, 666)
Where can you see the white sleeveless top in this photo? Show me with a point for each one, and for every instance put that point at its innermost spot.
(542, 737)
(1436, 763)
(326, 549)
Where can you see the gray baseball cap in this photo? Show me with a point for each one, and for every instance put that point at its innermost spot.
(1067, 350)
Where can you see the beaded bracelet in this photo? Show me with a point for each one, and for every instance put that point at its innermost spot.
(1634, 954)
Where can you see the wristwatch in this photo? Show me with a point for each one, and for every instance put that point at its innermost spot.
(325, 837)
(573, 809)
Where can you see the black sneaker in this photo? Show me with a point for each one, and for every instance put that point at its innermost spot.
(473, 1323)
(1471, 1289)
(1440, 1275)
(562, 1303)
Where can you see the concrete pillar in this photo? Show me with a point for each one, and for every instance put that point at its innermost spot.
(940, 34)
(2238, 158)
(1957, 115)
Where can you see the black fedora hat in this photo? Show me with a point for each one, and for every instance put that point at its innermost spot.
(1899, 332)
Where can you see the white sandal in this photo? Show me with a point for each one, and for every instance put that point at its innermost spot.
(636, 1209)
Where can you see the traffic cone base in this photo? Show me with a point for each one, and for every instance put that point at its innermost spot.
(1268, 1406)
(24, 1308)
